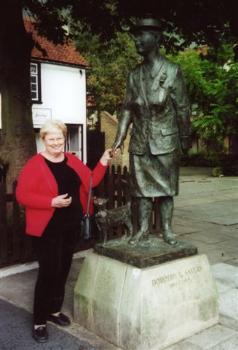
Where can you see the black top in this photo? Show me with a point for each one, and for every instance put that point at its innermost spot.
(68, 182)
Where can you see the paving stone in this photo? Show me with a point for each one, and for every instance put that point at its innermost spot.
(229, 344)
(232, 232)
(215, 256)
(209, 237)
(215, 212)
(189, 238)
(211, 337)
(15, 333)
(223, 287)
(228, 304)
(228, 249)
(177, 220)
(233, 262)
(9, 290)
(184, 346)
(228, 245)
(228, 322)
(203, 198)
(183, 230)
(226, 273)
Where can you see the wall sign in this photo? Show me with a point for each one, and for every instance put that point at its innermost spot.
(40, 115)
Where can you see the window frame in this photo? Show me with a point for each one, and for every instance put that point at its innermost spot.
(38, 99)
(80, 152)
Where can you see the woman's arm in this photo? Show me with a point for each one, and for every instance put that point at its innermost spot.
(101, 167)
(27, 190)
(97, 173)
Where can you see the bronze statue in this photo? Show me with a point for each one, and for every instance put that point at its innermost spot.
(156, 103)
(120, 216)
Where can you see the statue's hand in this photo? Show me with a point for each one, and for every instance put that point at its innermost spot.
(118, 143)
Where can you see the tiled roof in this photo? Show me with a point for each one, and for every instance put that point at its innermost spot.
(49, 51)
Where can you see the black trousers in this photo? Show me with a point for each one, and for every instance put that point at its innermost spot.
(54, 251)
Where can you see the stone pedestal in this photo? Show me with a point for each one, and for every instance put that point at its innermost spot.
(145, 308)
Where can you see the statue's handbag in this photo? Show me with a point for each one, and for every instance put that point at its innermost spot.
(87, 220)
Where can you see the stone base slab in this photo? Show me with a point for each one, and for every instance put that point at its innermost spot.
(155, 253)
(149, 308)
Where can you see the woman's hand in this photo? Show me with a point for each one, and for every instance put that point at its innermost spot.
(107, 155)
(61, 201)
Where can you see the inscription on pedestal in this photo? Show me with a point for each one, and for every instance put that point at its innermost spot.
(174, 279)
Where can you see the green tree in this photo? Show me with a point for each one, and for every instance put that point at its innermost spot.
(212, 82)
(110, 61)
(207, 20)
(17, 141)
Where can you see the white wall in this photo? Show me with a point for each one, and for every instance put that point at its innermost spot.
(63, 95)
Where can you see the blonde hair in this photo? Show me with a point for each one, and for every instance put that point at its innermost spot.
(51, 125)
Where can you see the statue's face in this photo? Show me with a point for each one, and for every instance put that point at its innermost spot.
(145, 41)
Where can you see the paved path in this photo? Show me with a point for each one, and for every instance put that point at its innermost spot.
(206, 214)
(15, 333)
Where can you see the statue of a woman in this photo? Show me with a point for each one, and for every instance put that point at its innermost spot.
(157, 105)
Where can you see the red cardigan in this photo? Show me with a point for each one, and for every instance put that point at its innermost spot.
(36, 187)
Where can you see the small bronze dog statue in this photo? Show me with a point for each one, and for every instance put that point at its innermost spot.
(108, 218)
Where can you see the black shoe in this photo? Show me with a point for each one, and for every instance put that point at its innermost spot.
(60, 320)
(40, 334)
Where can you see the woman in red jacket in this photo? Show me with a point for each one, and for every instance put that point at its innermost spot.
(53, 187)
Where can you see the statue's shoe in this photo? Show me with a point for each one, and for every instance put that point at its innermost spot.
(145, 242)
(139, 237)
(169, 237)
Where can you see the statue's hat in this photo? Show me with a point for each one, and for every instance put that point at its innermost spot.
(147, 23)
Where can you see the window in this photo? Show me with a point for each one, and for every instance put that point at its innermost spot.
(35, 83)
(74, 142)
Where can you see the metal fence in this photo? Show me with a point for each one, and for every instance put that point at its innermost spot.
(15, 245)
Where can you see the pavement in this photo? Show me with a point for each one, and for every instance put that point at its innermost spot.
(206, 214)
(13, 336)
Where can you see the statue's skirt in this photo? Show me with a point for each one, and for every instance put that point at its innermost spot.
(154, 175)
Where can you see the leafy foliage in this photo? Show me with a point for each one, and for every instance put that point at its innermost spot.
(110, 61)
(213, 88)
(211, 77)
(203, 21)
(212, 81)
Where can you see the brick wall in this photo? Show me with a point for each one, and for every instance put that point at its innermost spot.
(109, 127)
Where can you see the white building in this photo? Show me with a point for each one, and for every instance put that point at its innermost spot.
(58, 90)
